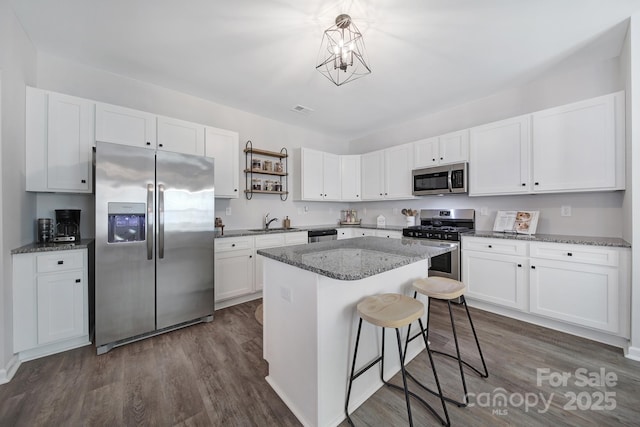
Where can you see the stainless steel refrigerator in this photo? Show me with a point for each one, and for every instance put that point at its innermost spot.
(154, 242)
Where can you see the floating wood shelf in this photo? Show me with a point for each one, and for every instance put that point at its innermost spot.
(266, 153)
(264, 172)
(266, 192)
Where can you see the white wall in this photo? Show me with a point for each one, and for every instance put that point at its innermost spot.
(632, 222)
(17, 62)
(594, 214)
(71, 78)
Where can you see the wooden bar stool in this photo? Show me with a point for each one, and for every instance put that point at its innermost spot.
(393, 311)
(446, 289)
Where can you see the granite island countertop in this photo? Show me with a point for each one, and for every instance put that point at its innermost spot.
(358, 258)
(615, 242)
(49, 247)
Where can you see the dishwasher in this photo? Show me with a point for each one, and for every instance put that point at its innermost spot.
(322, 235)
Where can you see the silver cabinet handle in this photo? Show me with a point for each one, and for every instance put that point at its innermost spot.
(149, 221)
(160, 221)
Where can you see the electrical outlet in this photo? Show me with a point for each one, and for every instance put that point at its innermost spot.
(484, 211)
(285, 293)
(228, 211)
(306, 209)
(565, 210)
(299, 211)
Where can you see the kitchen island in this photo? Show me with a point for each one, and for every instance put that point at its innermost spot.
(310, 321)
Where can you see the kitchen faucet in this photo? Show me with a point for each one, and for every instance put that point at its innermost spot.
(268, 221)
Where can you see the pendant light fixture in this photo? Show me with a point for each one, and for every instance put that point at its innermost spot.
(342, 57)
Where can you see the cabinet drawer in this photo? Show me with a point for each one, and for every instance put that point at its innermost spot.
(233, 243)
(270, 241)
(575, 253)
(59, 261)
(497, 246)
(390, 234)
(299, 238)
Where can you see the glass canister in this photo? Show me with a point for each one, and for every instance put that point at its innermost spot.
(44, 230)
(267, 165)
(256, 184)
(256, 164)
(277, 167)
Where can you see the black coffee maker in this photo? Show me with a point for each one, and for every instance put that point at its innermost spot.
(67, 228)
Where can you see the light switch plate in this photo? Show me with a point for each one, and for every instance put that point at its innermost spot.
(484, 211)
(565, 210)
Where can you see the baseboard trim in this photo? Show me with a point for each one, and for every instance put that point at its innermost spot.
(633, 353)
(7, 373)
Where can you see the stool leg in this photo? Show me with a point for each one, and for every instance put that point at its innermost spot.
(351, 377)
(435, 376)
(484, 365)
(404, 377)
(409, 337)
(455, 339)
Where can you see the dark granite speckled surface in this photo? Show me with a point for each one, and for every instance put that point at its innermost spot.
(358, 258)
(615, 242)
(50, 247)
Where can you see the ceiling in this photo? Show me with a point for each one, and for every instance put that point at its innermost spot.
(260, 55)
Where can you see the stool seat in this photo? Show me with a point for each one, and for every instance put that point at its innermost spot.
(440, 287)
(390, 310)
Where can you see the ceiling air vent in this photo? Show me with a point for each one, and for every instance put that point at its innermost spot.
(302, 110)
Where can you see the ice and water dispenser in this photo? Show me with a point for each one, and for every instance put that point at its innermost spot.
(126, 222)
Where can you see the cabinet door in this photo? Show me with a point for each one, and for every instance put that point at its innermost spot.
(179, 136)
(70, 138)
(233, 274)
(574, 146)
(426, 152)
(125, 126)
(331, 176)
(579, 293)
(499, 157)
(350, 178)
(60, 306)
(345, 233)
(454, 147)
(223, 146)
(372, 181)
(312, 174)
(498, 279)
(398, 167)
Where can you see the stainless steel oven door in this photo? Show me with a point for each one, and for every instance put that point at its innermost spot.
(446, 265)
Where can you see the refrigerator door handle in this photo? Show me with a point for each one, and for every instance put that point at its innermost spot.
(160, 221)
(149, 221)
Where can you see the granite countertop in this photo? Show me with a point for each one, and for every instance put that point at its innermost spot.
(554, 238)
(256, 232)
(358, 258)
(50, 247)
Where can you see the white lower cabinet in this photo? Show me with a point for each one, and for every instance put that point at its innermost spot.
(582, 285)
(238, 268)
(389, 234)
(234, 263)
(496, 271)
(345, 233)
(50, 302)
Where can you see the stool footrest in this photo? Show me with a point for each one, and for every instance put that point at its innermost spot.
(453, 356)
(435, 393)
(366, 368)
(420, 399)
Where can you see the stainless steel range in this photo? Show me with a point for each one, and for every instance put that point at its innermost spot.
(443, 225)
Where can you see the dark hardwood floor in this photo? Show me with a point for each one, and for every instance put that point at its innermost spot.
(213, 374)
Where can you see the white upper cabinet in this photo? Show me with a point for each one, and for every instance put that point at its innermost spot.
(350, 178)
(121, 125)
(59, 139)
(397, 172)
(320, 175)
(372, 165)
(499, 157)
(179, 136)
(444, 149)
(580, 146)
(386, 174)
(223, 146)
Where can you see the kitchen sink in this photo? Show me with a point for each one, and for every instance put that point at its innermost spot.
(280, 229)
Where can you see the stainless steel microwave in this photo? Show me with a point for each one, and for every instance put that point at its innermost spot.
(445, 179)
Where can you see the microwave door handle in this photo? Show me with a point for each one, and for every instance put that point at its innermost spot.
(160, 221)
(149, 221)
(450, 180)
